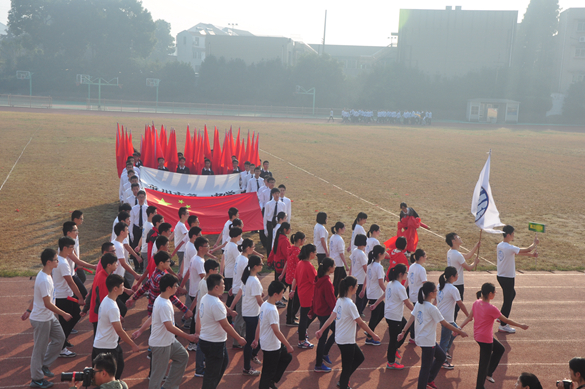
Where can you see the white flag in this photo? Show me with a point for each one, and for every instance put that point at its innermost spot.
(483, 206)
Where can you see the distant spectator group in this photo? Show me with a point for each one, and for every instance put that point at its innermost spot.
(394, 117)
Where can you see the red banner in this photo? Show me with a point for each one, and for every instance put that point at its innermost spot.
(211, 211)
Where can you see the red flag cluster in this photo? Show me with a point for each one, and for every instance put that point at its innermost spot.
(155, 144)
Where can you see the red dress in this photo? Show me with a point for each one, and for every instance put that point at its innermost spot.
(407, 227)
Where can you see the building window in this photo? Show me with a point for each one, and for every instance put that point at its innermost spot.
(196, 43)
(581, 26)
(579, 53)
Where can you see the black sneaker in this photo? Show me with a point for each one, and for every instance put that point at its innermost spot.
(47, 372)
(67, 344)
(280, 304)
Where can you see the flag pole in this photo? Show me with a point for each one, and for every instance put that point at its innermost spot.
(480, 232)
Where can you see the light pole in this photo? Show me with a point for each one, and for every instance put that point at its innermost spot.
(232, 26)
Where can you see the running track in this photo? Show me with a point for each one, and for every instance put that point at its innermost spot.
(550, 303)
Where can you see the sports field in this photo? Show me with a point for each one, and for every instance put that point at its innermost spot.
(536, 176)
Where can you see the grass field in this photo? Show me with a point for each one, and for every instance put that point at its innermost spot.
(536, 176)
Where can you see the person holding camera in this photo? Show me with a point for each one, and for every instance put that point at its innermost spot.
(577, 370)
(103, 371)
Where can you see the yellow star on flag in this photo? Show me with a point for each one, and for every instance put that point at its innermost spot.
(181, 201)
(188, 206)
(163, 202)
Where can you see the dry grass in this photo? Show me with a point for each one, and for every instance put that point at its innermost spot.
(536, 177)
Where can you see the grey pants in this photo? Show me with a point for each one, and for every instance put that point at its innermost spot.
(180, 255)
(160, 356)
(45, 353)
(239, 323)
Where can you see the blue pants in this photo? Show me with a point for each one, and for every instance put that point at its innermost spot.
(447, 337)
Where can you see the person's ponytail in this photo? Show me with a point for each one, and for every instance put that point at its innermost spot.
(373, 228)
(344, 286)
(254, 260)
(245, 244)
(396, 271)
(449, 272)
(418, 254)
(338, 226)
(283, 227)
(375, 252)
(360, 216)
(427, 288)
(485, 291)
(306, 251)
(294, 238)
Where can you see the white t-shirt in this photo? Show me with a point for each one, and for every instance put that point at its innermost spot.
(345, 326)
(105, 334)
(230, 253)
(180, 232)
(251, 289)
(358, 261)
(146, 227)
(320, 232)
(426, 318)
(62, 289)
(120, 253)
(162, 311)
(196, 269)
(375, 273)
(394, 301)
(446, 300)
(202, 291)
(211, 312)
(225, 233)
(113, 233)
(507, 260)
(417, 275)
(370, 243)
(356, 231)
(268, 317)
(337, 247)
(190, 252)
(456, 259)
(43, 288)
(241, 264)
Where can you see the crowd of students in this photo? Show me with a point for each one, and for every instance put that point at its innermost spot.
(336, 293)
(394, 117)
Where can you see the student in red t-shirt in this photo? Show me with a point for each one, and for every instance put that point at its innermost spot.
(304, 286)
(323, 303)
(397, 256)
(99, 291)
(280, 251)
(297, 239)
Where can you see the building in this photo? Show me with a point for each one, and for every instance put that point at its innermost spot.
(492, 110)
(570, 64)
(357, 59)
(203, 40)
(453, 42)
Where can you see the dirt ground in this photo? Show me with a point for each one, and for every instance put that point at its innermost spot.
(536, 176)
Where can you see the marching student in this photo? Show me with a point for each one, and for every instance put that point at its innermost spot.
(65, 290)
(265, 192)
(320, 235)
(255, 183)
(265, 172)
(194, 275)
(162, 340)
(190, 253)
(235, 169)
(228, 261)
(271, 210)
(138, 217)
(233, 214)
(77, 218)
(99, 289)
(507, 270)
(161, 164)
(206, 171)
(151, 211)
(459, 261)
(251, 294)
(483, 314)
(359, 268)
(337, 250)
(275, 347)
(70, 230)
(124, 207)
(447, 298)
(372, 235)
(417, 276)
(280, 251)
(124, 180)
(323, 303)
(280, 218)
(137, 161)
(48, 334)
(182, 168)
(298, 240)
(346, 316)
(109, 329)
(304, 286)
(397, 256)
(246, 249)
(121, 230)
(357, 228)
(427, 317)
(213, 328)
(245, 176)
(375, 288)
(395, 299)
(181, 232)
(286, 201)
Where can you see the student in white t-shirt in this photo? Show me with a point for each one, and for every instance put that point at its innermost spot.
(459, 261)
(417, 276)
(47, 332)
(447, 299)
(346, 316)
(275, 347)
(357, 228)
(337, 250)
(181, 232)
(320, 236)
(373, 234)
(507, 270)
(359, 269)
(426, 316)
(146, 227)
(375, 288)
(228, 261)
(247, 249)
(121, 231)
(213, 328)
(251, 294)
(162, 340)
(109, 328)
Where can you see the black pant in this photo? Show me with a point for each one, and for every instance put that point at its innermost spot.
(361, 302)
(489, 358)
(339, 274)
(432, 358)
(137, 231)
(72, 308)
(351, 358)
(394, 329)
(324, 344)
(274, 365)
(80, 285)
(81, 274)
(122, 306)
(216, 361)
(292, 308)
(228, 285)
(461, 289)
(304, 323)
(249, 352)
(377, 315)
(117, 353)
(192, 327)
(509, 293)
(320, 258)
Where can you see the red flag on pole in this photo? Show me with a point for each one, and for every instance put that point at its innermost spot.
(188, 153)
(216, 161)
(206, 149)
(173, 158)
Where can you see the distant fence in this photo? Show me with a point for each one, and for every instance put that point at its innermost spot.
(26, 101)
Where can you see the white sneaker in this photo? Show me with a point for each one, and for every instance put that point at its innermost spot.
(506, 328)
(66, 353)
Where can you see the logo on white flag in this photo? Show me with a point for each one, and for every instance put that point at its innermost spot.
(483, 203)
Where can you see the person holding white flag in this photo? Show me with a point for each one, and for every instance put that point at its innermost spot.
(483, 206)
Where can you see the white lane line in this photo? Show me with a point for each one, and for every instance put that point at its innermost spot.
(18, 159)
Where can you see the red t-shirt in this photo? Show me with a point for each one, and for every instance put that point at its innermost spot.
(281, 254)
(305, 276)
(397, 257)
(324, 300)
(99, 291)
(291, 264)
(484, 315)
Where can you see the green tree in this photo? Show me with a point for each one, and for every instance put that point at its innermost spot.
(574, 106)
(322, 72)
(165, 42)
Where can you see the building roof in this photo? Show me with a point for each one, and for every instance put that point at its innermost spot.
(489, 100)
(348, 50)
(212, 29)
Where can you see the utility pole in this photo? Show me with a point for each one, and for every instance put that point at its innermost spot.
(324, 31)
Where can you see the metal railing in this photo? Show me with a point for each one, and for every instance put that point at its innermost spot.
(26, 101)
